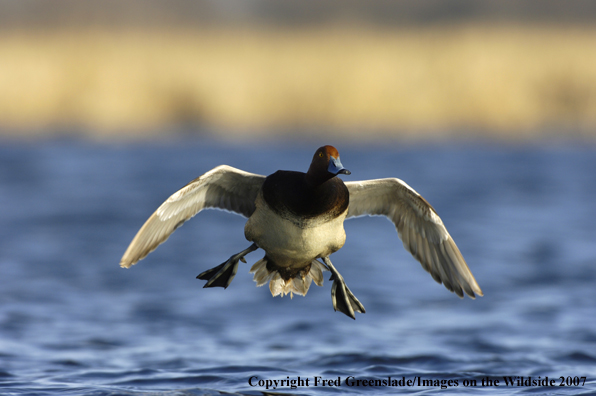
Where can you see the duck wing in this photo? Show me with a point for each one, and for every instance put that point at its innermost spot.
(419, 227)
(223, 187)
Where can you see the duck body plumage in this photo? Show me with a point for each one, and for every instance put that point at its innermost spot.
(297, 219)
(296, 222)
(290, 195)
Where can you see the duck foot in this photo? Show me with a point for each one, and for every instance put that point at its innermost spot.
(223, 274)
(342, 297)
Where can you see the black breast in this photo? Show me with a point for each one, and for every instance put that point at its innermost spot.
(288, 194)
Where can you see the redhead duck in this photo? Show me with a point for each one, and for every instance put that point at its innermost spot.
(297, 219)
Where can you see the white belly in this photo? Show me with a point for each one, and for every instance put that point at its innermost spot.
(293, 244)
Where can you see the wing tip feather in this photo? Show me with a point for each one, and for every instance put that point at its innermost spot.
(126, 265)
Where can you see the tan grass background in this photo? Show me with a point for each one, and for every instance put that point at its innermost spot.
(504, 80)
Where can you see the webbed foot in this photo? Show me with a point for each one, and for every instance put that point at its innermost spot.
(342, 297)
(223, 274)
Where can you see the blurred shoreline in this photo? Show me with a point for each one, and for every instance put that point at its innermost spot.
(501, 81)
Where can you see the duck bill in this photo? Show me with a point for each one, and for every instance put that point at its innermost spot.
(336, 168)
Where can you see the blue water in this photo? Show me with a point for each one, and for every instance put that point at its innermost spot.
(73, 322)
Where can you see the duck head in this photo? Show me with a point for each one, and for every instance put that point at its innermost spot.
(325, 165)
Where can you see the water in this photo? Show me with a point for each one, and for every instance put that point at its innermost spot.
(72, 322)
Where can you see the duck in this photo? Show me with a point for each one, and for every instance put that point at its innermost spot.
(298, 219)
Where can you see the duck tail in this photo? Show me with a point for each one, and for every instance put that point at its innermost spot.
(283, 281)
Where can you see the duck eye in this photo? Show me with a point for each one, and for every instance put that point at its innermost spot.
(321, 154)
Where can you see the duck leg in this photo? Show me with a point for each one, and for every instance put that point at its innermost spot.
(343, 298)
(222, 275)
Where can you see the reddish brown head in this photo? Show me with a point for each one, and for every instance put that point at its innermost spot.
(325, 165)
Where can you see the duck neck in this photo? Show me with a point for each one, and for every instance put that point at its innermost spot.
(314, 178)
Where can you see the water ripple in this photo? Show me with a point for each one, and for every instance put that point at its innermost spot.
(73, 323)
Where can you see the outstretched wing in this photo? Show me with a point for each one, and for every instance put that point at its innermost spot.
(418, 226)
(223, 187)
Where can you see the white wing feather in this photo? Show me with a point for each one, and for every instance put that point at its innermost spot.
(418, 226)
(223, 187)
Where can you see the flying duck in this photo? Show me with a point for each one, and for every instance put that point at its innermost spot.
(297, 219)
